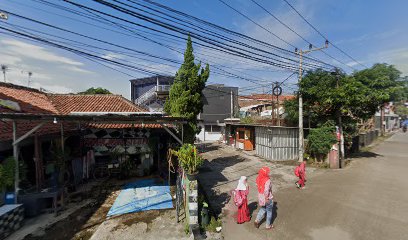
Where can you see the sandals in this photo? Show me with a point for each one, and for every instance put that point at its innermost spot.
(256, 224)
(270, 227)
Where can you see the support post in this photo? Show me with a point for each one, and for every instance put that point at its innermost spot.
(301, 149)
(62, 138)
(301, 52)
(232, 106)
(172, 134)
(37, 161)
(15, 154)
(382, 111)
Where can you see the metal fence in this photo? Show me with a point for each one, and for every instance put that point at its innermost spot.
(277, 143)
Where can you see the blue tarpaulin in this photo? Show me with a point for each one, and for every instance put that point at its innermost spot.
(142, 195)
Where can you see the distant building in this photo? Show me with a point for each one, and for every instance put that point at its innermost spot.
(151, 92)
(220, 103)
(261, 105)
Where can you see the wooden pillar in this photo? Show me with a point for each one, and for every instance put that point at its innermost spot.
(37, 162)
(15, 154)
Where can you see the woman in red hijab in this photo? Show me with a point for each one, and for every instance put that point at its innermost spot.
(300, 172)
(265, 197)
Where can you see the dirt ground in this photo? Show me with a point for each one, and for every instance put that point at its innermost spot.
(90, 222)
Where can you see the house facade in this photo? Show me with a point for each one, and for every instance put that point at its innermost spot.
(94, 131)
(220, 103)
(151, 92)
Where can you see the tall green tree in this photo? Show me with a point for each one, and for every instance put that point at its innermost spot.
(382, 85)
(93, 90)
(185, 96)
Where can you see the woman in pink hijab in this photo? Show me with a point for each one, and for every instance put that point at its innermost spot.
(265, 198)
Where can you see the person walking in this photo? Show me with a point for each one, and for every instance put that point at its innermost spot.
(265, 198)
(300, 172)
(241, 200)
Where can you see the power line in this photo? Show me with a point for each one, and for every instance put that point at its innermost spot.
(72, 11)
(321, 34)
(304, 39)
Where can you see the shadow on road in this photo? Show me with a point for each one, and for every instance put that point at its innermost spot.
(365, 155)
(213, 181)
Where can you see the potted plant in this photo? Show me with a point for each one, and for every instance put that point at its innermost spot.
(7, 175)
(189, 159)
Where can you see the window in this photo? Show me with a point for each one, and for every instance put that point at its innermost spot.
(216, 128)
(212, 128)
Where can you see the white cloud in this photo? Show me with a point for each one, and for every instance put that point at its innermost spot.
(289, 18)
(397, 57)
(27, 50)
(75, 69)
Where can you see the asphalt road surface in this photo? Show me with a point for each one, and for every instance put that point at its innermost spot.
(367, 200)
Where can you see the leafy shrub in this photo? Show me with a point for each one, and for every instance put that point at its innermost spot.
(320, 141)
(212, 226)
(7, 173)
(189, 158)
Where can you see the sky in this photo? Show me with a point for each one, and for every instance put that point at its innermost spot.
(369, 31)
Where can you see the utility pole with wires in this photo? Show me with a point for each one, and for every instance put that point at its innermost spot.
(277, 85)
(301, 53)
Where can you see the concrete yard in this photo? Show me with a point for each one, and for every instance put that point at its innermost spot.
(366, 200)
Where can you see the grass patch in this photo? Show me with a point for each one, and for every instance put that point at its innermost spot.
(212, 226)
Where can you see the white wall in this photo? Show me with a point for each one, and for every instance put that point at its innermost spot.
(209, 136)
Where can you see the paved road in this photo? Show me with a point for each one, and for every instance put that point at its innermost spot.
(367, 200)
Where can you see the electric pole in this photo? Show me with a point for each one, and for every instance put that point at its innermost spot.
(277, 103)
(300, 53)
(272, 107)
(341, 140)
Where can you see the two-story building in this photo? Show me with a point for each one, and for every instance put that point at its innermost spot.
(220, 102)
(151, 92)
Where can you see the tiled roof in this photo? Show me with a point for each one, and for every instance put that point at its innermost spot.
(116, 125)
(34, 101)
(257, 99)
(92, 103)
(30, 100)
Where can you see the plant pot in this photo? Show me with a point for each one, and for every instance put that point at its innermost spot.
(192, 176)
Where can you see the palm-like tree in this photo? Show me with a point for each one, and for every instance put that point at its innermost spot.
(4, 69)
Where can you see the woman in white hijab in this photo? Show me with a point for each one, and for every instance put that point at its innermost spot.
(241, 200)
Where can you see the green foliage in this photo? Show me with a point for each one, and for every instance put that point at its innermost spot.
(328, 96)
(212, 226)
(7, 172)
(98, 90)
(185, 96)
(186, 228)
(401, 110)
(381, 85)
(60, 156)
(320, 141)
(188, 157)
(247, 120)
(292, 110)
